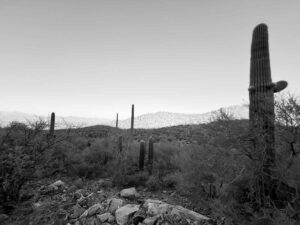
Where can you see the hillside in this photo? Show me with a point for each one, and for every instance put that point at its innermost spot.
(150, 120)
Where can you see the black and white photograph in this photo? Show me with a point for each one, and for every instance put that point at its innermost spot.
(149, 112)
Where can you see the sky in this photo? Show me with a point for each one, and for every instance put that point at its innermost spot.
(94, 58)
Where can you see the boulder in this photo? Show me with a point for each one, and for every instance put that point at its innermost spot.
(106, 217)
(95, 209)
(114, 204)
(77, 211)
(125, 212)
(156, 207)
(129, 193)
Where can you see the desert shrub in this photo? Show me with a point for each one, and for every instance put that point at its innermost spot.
(171, 180)
(164, 155)
(93, 161)
(80, 142)
(153, 183)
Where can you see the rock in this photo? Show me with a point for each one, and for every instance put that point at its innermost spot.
(156, 207)
(150, 220)
(106, 217)
(95, 209)
(138, 217)
(77, 211)
(58, 184)
(129, 193)
(124, 213)
(92, 221)
(114, 204)
(186, 213)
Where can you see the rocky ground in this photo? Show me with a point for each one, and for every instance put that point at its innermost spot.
(78, 202)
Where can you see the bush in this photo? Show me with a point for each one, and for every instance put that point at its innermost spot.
(153, 183)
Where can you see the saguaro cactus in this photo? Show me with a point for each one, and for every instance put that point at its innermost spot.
(117, 121)
(52, 124)
(261, 109)
(150, 155)
(261, 94)
(142, 155)
(132, 118)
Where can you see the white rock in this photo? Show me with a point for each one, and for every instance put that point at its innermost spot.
(114, 204)
(156, 207)
(106, 217)
(123, 213)
(129, 193)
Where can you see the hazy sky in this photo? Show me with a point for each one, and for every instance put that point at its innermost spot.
(96, 58)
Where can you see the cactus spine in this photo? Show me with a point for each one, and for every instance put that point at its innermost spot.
(117, 121)
(150, 155)
(52, 124)
(132, 118)
(142, 155)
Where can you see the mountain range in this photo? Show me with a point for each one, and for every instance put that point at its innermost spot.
(150, 120)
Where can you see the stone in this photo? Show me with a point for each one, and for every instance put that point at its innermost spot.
(150, 220)
(129, 193)
(92, 221)
(155, 207)
(106, 217)
(114, 204)
(186, 213)
(95, 209)
(77, 211)
(125, 212)
(58, 184)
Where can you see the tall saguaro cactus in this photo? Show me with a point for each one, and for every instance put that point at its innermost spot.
(261, 95)
(132, 118)
(52, 124)
(142, 155)
(150, 155)
(117, 120)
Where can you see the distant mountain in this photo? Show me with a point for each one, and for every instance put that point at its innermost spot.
(61, 122)
(150, 120)
(167, 119)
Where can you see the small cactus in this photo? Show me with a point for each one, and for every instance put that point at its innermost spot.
(132, 118)
(150, 155)
(52, 124)
(117, 121)
(142, 155)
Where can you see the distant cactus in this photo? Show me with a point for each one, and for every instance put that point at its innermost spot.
(261, 94)
(132, 118)
(142, 155)
(120, 143)
(52, 124)
(150, 155)
(117, 120)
